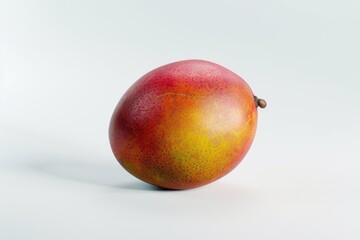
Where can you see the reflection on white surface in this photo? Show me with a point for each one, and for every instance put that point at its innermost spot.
(47, 193)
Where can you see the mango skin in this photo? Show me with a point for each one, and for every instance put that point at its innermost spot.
(184, 125)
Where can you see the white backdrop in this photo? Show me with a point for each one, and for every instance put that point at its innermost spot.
(65, 64)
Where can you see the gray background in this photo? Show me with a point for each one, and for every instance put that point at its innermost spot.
(65, 64)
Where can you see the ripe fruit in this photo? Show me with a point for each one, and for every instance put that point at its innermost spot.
(184, 125)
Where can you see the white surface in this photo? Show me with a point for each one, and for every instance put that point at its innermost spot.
(65, 64)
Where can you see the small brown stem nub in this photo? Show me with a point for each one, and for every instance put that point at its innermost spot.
(260, 102)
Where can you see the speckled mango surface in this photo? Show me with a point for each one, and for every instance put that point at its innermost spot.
(184, 125)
